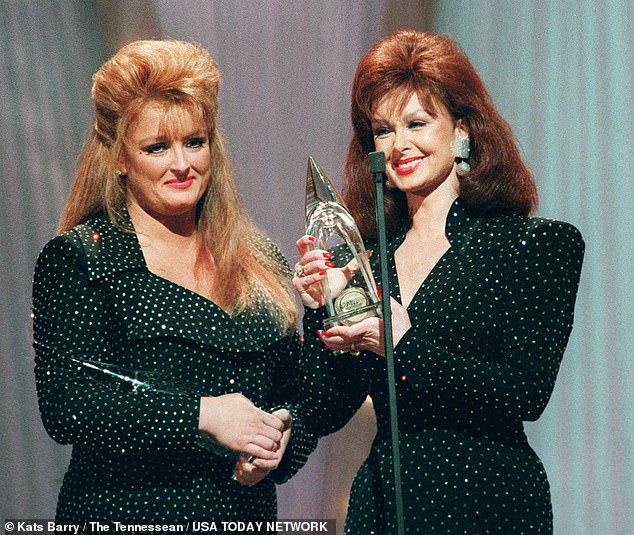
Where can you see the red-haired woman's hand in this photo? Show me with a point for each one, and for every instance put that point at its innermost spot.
(313, 268)
(250, 471)
(310, 272)
(367, 335)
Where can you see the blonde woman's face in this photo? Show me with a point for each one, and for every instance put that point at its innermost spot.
(167, 173)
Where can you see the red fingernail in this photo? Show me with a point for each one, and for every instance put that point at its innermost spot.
(311, 239)
(326, 334)
(330, 264)
(322, 273)
(327, 255)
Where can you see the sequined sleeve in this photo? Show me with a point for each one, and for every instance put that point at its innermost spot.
(532, 286)
(287, 381)
(336, 384)
(289, 391)
(73, 322)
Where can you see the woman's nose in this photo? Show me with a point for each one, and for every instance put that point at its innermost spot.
(180, 163)
(401, 140)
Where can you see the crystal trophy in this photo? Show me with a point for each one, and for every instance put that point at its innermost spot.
(350, 293)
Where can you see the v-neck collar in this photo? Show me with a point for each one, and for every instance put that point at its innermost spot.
(110, 252)
(459, 224)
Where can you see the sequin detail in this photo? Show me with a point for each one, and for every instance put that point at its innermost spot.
(135, 451)
(489, 328)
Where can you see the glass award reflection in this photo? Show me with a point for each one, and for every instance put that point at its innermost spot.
(350, 293)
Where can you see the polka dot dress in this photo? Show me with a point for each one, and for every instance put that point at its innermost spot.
(99, 317)
(489, 328)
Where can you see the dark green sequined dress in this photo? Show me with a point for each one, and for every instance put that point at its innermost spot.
(489, 328)
(136, 454)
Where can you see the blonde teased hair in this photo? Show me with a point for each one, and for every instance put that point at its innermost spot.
(178, 76)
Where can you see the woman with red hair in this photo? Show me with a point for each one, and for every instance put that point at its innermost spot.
(483, 300)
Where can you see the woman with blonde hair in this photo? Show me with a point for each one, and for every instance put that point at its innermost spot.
(164, 328)
(483, 304)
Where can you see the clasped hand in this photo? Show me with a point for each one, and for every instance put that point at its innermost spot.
(238, 425)
(311, 270)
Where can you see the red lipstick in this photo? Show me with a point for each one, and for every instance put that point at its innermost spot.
(180, 183)
(407, 166)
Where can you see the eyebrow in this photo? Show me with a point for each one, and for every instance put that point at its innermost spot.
(416, 113)
(163, 137)
(409, 117)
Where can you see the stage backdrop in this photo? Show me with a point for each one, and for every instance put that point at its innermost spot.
(559, 71)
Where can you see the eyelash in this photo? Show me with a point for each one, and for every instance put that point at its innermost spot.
(158, 148)
(383, 131)
(198, 141)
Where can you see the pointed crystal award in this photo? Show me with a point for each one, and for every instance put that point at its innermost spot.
(350, 293)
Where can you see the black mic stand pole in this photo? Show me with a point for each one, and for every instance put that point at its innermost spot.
(377, 168)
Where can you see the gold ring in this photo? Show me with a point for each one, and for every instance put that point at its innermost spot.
(353, 350)
(299, 270)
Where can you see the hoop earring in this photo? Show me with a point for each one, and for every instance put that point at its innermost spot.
(463, 149)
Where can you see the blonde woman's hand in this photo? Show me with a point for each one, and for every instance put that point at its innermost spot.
(250, 471)
(237, 424)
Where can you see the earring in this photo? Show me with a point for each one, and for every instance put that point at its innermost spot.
(462, 154)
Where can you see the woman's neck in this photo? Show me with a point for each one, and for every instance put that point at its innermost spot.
(176, 231)
(429, 214)
(172, 250)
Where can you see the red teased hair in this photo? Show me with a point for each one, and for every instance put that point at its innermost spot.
(435, 68)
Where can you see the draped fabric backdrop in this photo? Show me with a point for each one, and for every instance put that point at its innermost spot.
(559, 71)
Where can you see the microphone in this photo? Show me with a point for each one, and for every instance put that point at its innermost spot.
(377, 165)
(377, 168)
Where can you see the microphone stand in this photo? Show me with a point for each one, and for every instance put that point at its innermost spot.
(377, 168)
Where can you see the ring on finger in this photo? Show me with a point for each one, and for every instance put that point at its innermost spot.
(353, 350)
(299, 270)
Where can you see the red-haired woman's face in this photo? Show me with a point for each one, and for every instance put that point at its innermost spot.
(419, 148)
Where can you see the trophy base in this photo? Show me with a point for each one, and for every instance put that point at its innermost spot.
(353, 316)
